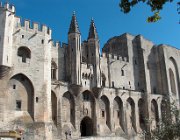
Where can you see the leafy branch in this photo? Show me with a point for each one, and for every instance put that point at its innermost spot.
(155, 5)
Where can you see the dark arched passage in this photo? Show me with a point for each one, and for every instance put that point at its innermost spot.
(86, 127)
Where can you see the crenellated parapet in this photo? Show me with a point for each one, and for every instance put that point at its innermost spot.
(56, 44)
(32, 26)
(7, 6)
(113, 57)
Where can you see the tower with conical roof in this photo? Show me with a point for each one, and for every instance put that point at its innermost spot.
(74, 52)
(94, 53)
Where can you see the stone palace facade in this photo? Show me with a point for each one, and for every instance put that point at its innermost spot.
(52, 91)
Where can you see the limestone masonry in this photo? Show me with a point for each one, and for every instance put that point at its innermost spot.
(53, 91)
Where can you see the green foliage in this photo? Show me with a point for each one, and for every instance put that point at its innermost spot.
(169, 127)
(155, 5)
(154, 18)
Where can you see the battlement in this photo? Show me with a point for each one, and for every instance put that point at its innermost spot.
(7, 6)
(114, 57)
(56, 44)
(32, 26)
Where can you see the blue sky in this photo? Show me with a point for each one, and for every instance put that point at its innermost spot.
(109, 20)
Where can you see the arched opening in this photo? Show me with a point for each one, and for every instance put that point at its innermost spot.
(174, 78)
(68, 107)
(105, 110)
(172, 81)
(154, 114)
(25, 53)
(118, 112)
(54, 107)
(86, 127)
(53, 70)
(131, 114)
(21, 94)
(88, 103)
(141, 106)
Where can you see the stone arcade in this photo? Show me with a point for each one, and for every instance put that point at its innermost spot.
(52, 91)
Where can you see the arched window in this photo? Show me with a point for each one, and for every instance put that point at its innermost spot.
(172, 81)
(54, 107)
(25, 53)
(154, 114)
(53, 70)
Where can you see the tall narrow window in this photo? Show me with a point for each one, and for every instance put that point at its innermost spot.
(122, 72)
(113, 84)
(103, 113)
(53, 70)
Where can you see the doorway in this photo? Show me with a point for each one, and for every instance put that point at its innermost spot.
(86, 127)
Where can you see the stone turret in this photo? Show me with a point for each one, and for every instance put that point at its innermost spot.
(92, 31)
(74, 52)
(7, 12)
(94, 53)
(74, 28)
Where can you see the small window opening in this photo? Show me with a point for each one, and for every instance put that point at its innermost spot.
(14, 86)
(37, 99)
(113, 84)
(18, 105)
(129, 83)
(92, 54)
(85, 83)
(72, 50)
(22, 36)
(123, 87)
(122, 72)
(103, 113)
(42, 41)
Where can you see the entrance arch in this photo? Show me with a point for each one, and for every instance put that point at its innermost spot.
(86, 127)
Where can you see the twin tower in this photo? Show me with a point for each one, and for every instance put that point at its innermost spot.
(90, 50)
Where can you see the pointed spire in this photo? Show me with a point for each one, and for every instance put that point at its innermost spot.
(92, 30)
(74, 25)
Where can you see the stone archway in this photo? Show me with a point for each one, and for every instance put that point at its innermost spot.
(86, 127)
(21, 94)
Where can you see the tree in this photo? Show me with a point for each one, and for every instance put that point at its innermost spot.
(169, 126)
(155, 5)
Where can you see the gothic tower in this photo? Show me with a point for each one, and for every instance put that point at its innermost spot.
(74, 52)
(94, 53)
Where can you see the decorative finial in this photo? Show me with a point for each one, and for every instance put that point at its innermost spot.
(92, 19)
(74, 13)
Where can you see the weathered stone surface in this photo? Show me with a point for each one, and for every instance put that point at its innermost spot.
(51, 91)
